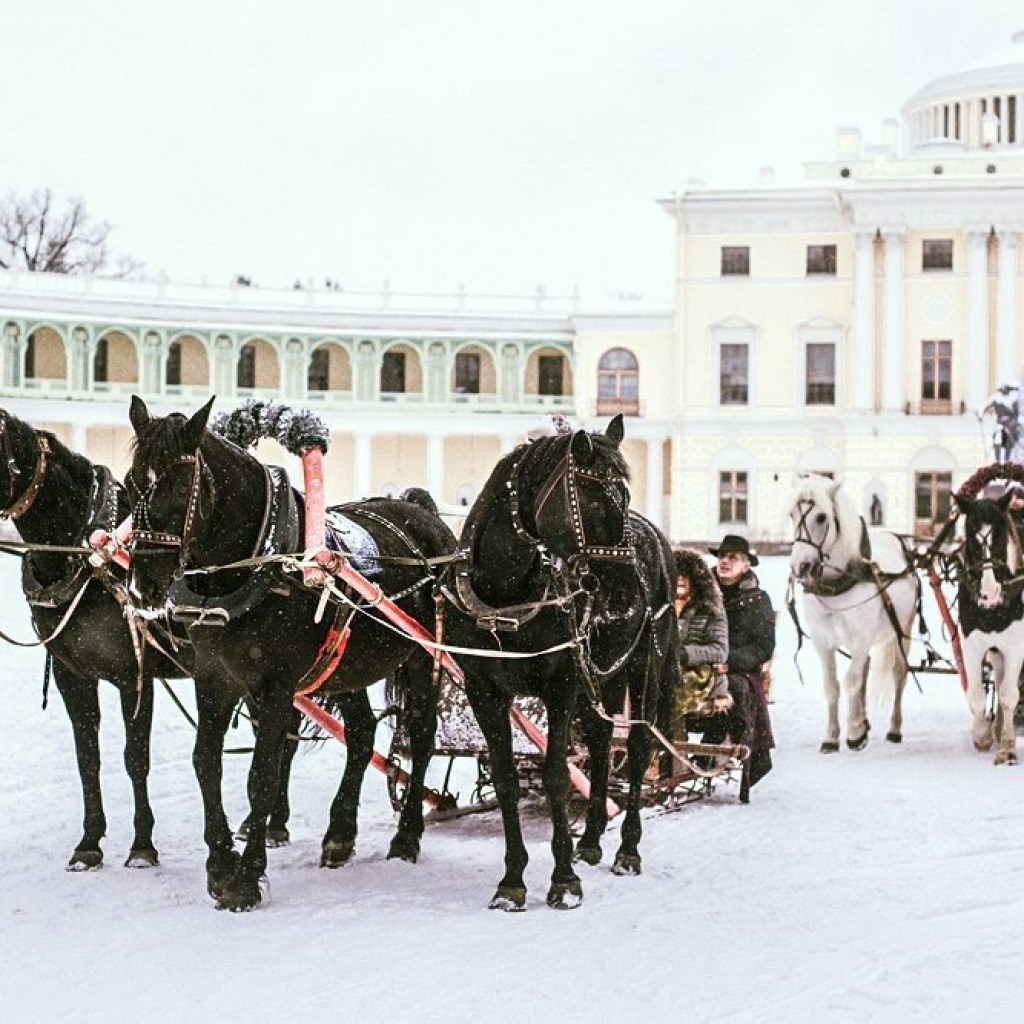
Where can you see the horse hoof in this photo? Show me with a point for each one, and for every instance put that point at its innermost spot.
(278, 837)
(830, 747)
(859, 743)
(894, 737)
(1006, 757)
(511, 898)
(220, 874)
(242, 896)
(85, 860)
(142, 857)
(627, 864)
(404, 848)
(565, 895)
(336, 852)
(983, 746)
(588, 854)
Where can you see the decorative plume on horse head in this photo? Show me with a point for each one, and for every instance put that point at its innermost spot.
(860, 595)
(297, 431)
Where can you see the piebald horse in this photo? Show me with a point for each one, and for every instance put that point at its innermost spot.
(860, 597)
(991, 614)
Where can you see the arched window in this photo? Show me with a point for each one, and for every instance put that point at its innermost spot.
(618, 383)
(318, 375)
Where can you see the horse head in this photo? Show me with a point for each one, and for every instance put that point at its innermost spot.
(824, 538)
(23, 465)
(573, 498)
(173, 496)
(993, 549)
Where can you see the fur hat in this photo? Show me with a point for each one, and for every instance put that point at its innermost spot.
(703, 585)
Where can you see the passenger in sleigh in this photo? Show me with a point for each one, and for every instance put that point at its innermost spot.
(751, 619)
(703, 689)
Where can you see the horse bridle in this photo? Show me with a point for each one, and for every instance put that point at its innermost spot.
(142, 528)
(567, 474)
(988, 559)
(19, 506)
(802, 533)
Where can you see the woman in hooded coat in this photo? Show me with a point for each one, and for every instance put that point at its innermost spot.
(703, 641)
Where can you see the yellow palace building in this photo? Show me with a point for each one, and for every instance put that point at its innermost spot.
(854, 323)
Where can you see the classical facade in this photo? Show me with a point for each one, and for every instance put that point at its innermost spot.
(854, 323)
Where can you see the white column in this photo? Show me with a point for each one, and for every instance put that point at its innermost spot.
(1007, 359)
(435, 466)
(655, 481)
(863, 390)
(363, 468)
(976, 383)
(894, 343)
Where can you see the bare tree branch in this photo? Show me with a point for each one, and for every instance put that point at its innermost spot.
(36, 236)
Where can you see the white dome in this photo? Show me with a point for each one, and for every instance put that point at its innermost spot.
(978, 108)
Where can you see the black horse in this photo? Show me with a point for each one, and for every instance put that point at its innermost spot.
(571, 593)
(200, 502)
(57, 498)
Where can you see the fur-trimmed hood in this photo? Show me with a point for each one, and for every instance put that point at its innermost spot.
(704, 586)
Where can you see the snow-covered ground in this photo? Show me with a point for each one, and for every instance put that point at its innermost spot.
(874, 886)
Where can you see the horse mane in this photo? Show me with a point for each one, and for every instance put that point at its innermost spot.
(542, 455)
(78, 466)
(825, 494)
(160, 441)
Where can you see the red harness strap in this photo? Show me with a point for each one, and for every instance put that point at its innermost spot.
(327, 659)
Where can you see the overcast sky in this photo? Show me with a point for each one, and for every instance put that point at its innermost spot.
(431, 142)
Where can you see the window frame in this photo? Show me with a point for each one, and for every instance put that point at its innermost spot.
(734, 493)
(741, 400)
(829, 259)
(935, 259)
(393, 370)
(734, 261)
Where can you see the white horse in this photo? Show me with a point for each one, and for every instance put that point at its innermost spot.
(860, 597)
(992, 621)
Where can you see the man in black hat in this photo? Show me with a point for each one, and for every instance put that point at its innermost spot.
(751, 618)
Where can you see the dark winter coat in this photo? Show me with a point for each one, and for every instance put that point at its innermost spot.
(751, 644)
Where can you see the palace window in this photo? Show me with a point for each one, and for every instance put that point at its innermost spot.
(318, 374)
(550, 375)
(172, 371)
(734, 374)
(467, 373)
(937, 254)
(99, 362)
(735, 260)
(936, 372)
(732, 496)
(932, 492)
(392, 373)
(245, 373)
(821, 259)
(618, 383)
(821, 374)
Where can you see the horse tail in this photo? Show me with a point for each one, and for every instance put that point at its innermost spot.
(420, 496)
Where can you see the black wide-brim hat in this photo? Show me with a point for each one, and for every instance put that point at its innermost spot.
(733, 542)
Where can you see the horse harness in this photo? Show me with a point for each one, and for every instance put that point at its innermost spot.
(19, 506)
(566, 579)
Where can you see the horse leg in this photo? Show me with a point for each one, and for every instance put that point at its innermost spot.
(81, 700)
(421, 708)
(830, 681)
(627, 857)
(339, 842)
(981, 727)
(1009, 695)
(137, 711)
(597, 734)
(242, 891)
(856, 685)
(566, 891)
(214, 714)
(277, 826)
(491, 709)
(897, 654)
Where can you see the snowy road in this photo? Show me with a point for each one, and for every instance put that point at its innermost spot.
(884, 885)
